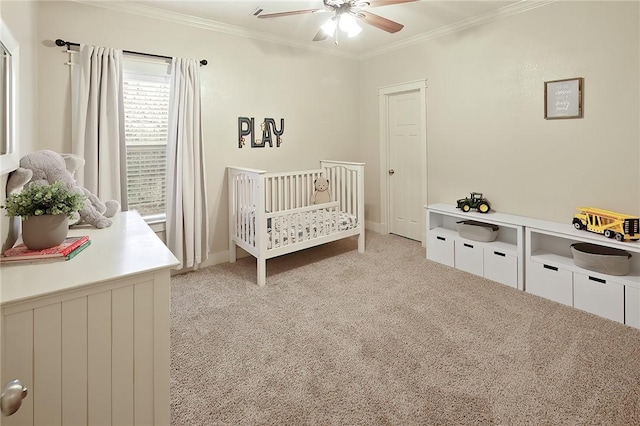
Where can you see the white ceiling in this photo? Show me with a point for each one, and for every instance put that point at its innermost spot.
(421, 19)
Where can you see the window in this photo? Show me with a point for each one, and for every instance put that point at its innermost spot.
(146, 110)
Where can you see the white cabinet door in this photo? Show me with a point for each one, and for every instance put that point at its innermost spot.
(550, 282)
(440, 249)
(598, 296)
(468, 257)
(501, 267)
(17, 361)
(632, 306)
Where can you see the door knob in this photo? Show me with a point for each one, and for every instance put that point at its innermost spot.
(391, 172)
(12, 395)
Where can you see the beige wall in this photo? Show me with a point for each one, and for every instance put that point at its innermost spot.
(21, 18)
(484, 102)
(485, 125)
(316, 94)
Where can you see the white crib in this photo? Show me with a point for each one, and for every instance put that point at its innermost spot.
(270, 215)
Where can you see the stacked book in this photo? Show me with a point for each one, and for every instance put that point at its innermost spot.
(69, 248)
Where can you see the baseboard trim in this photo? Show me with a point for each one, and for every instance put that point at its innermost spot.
(373, 226)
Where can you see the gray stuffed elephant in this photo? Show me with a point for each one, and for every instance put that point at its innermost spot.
(46, 167)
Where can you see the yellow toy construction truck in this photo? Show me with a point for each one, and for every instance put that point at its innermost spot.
(610, 224)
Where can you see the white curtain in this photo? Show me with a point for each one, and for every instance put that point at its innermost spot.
(98, 121)
(187, 227)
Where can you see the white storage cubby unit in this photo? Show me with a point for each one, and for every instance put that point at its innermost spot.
(542, 249)
(501, 260)
(551, 273)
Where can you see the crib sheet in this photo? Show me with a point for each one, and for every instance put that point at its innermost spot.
(307, 225)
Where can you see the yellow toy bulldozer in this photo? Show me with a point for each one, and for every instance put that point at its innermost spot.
(610, 224)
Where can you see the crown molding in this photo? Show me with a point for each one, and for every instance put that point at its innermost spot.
(207, 24)
(503, 12)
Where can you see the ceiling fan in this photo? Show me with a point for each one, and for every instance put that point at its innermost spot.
(346, 14)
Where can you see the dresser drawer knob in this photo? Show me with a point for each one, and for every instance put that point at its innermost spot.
(12, 395)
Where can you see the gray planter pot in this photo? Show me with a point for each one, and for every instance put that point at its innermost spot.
(41, 232)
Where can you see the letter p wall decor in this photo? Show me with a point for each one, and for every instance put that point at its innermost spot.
(246, 127)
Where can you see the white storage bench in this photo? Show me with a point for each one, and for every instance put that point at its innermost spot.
(548, 248)
(500, 260)
(535, 256)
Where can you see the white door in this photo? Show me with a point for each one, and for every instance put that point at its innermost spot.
(405, 162)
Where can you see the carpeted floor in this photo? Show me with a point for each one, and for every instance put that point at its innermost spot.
(389, 337)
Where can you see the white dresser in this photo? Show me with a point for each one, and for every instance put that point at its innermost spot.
(89, 337)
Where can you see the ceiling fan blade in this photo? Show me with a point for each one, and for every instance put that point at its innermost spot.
(378, 3)
(379, 22)
(293, 12)
(321, 35)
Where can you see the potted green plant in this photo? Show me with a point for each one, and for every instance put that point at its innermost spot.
(45, 211)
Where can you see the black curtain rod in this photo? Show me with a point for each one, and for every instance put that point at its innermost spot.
(60, 42)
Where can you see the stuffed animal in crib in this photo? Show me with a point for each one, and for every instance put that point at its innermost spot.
(322, 193)
(46, 167)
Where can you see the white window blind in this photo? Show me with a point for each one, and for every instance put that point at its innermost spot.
(146, 109)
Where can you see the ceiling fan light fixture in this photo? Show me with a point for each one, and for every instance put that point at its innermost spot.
(347, 22)
(354, 31)
(330, 26)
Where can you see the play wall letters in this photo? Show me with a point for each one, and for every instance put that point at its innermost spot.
(246, 127)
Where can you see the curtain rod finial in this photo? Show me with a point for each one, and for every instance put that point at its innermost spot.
(60, 42)
(203, 62)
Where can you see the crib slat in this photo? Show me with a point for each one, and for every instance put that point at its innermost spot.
(343, 194)
(240, 220)
(267, 195)
(248, 237)
(270, 183)
(289, 193)
(285, 192)
(278, 196)
(241, 197)
(299, 191)
(242, 201)
(306, 196)
(251, 234)
(236, 204)
(279, 193)
(274, 186)
(296, 195)
(349, 207)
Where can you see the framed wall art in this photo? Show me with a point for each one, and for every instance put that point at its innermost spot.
(563, 98)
